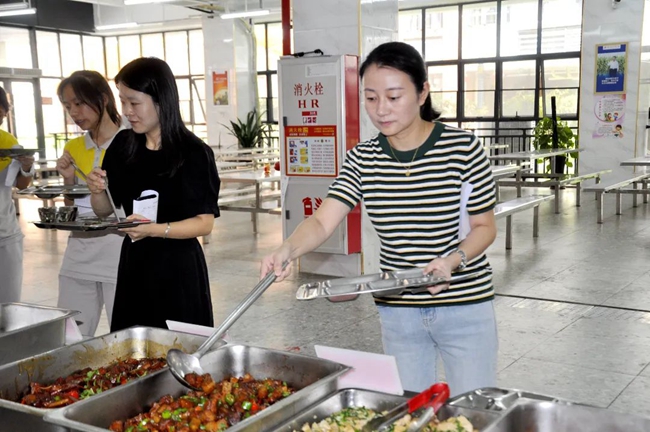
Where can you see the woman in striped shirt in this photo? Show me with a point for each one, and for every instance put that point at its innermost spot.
(410, 179)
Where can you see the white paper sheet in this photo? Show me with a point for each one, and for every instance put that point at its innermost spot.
(464, 226)
(147, 208)
(370, 371)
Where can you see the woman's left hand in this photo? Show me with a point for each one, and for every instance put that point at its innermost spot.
(141, 231)
(440, 267)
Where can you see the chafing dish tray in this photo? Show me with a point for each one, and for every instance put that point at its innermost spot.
(348, 398)
(382, 284)
(15, 152)
(89, 224)
(53, 191)
(313, 379)
(27, 329)
(536, 416)
(135, 342)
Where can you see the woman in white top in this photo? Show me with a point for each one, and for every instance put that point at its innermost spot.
(19, 173)
(89, 271)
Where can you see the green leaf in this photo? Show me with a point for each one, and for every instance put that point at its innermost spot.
(250, 132)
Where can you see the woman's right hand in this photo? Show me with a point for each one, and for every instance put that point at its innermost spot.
(64, 166)
(274, 262)
(96, 180)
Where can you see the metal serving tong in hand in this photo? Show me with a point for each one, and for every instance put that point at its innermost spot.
(108, 193)
(433, 398)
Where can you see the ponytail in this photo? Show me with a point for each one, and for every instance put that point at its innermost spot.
(427, 112)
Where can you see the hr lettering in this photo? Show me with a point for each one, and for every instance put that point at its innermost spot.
(302, 103)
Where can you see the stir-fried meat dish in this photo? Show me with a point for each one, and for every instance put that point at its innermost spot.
(215, 408)
(353, 419)
(88, 382)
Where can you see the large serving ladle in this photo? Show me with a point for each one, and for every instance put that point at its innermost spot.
(181, 364)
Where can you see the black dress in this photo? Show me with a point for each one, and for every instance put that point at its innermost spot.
(162, 279)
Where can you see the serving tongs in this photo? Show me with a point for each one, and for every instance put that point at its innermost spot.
(432, 399)
(108, 193)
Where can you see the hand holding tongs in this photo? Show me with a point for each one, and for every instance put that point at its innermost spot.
(434, 397)
(108, 193)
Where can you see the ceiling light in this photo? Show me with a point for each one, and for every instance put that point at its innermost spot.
(138, 2)
(245, 14)
(116, 26)
(15, 12)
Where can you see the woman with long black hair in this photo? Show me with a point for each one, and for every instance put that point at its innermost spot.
(162, 273)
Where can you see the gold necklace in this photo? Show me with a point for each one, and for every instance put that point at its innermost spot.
(408, 168)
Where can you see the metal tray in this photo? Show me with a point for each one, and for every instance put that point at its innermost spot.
(26, 330)
(15, 152)
(53, 191)
(530, 416)
(135, 342)
(375, 401)
(90, 224)
(383, 284)
(314, 378)
(499, 399)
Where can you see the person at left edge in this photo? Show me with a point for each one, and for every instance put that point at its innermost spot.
(19, 173)
(89, 271)
(162, 273)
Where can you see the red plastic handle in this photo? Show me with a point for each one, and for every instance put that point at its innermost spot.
(434, 397)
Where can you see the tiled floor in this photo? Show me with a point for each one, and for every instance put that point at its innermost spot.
(573, 305)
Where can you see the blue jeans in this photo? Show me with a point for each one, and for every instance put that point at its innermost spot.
(464, 336)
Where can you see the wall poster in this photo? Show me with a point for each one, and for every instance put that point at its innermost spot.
(220, 88)
(611, 65)
(609, 111)
(311, 150)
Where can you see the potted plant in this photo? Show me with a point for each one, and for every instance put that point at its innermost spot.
(250, 132)
(566, 139)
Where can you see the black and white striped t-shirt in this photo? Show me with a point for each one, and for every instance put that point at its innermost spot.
(417, 216)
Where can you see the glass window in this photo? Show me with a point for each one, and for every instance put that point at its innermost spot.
(24, 113)
(53, 114)
(562, 73)
(479, 30)
(274, 102)
(152, 45)
(479, 89)
(410, 28)
(260, 39)
(274, 32)
(518, 27)
(196, 53)
(444, 89)
(561, 26)
(198, 100)
(71, 54)
(184, 99)
(518, 97)
(441, 33)
(176, 52)
(262, 94)
(566, 101)
(47, 46)
(112, 59)
(116, 94)
(129, 49)
(94, 54)
(15, 49)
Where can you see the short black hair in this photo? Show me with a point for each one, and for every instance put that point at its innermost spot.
(4, 102)
(404, 58)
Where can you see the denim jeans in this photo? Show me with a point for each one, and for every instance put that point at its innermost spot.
(464, 336)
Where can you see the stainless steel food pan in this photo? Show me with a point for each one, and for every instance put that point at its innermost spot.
(314, 378)
(26, 330)
(498, 399)
(348, 398)
(135, 342)
(529, 416)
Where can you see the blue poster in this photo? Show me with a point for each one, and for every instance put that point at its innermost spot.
(611, 61)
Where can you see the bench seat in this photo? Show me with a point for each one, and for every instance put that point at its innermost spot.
(508, 208)
(619, 186)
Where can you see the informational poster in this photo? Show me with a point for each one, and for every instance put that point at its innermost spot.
(609, 112)
(311, 150)
(611, 65)
(220, 87)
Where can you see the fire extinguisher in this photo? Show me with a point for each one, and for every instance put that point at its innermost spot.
(308, 207)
